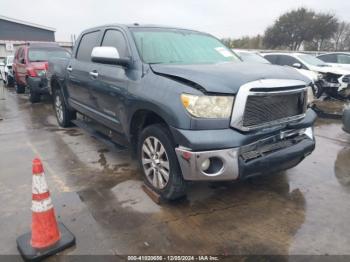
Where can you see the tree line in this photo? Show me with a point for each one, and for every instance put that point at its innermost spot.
(300, 29)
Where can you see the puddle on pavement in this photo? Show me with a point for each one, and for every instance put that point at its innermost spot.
(342, 168)
(131, 195)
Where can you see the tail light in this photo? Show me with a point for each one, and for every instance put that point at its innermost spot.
(31, 72)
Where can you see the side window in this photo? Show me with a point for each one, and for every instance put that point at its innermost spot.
(330, 58)
(288, 60)
(20, 55)
(87, 43)
(272, 59)
(116, 39)
(343, 59)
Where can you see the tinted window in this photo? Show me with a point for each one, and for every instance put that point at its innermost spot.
(39, 55)
(271, 58)
(87, 43)
(21, 55)
(116, 39)
(287, 60)
(343, 59)
(252, 57)
(330, 58)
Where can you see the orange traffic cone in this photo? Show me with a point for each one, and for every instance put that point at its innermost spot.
(47, 237)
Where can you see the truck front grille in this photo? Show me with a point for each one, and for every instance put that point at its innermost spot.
(262, 109)
(269, 102)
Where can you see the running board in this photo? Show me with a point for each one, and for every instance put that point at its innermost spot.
(101, 133)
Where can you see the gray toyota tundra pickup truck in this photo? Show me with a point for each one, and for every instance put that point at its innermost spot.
(186, 104)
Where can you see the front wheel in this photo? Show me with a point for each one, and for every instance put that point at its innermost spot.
(63, 114)
(158, 161)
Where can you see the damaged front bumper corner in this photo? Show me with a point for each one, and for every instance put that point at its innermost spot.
(272, 154)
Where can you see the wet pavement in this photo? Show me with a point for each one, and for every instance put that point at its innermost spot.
(96, 190)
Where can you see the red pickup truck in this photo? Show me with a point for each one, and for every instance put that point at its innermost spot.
(30, 66)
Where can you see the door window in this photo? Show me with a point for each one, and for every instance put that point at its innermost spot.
(21, 56)
(287, 60)
(272, 58)
(116, 39)
(330, 58)
(87, 43)
(343, 59)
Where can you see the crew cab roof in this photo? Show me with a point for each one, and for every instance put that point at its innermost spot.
(136, 25)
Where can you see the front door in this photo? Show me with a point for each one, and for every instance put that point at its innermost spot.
(110, 88)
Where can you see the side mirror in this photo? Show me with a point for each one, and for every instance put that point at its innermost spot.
(108, 55)
(297, 65)
(23, 61)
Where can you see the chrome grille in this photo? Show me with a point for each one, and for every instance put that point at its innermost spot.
(268, 108)
(269, 102)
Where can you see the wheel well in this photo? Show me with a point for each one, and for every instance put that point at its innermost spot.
(139, 121)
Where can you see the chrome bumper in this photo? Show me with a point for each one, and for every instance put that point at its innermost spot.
(190, 162)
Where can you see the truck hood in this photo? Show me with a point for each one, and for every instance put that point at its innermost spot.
(226, 77)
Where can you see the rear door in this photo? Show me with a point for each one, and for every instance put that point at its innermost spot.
(79, 67)
(110, 89)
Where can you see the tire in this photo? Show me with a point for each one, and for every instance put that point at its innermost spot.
(34, 97)
(63, 114)
(20, 89)
(154, 169)
(9, 81)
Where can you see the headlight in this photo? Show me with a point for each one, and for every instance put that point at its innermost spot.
(208, 106)
(319, 76)
(310, 95)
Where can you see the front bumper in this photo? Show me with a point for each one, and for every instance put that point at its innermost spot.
(272, 154)
(38, 84)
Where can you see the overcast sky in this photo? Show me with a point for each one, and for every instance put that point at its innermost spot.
(222, 18)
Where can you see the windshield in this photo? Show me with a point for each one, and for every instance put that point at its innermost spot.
(41, 55)
(311, 60)
(252, 57)
(173, 46)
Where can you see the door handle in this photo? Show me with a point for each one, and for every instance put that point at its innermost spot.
(69, 69)
(94, 74)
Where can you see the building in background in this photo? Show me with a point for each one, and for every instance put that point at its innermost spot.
(15, 32)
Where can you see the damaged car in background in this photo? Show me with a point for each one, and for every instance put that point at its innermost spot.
(186, 104)
(6, 71)
(333, 81)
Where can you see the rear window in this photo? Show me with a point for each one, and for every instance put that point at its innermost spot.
(41, 55)
(87, 43)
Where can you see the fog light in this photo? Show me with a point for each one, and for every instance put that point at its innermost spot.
(205, 164)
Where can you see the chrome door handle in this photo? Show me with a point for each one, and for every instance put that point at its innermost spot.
(69, 68)
(93, 74)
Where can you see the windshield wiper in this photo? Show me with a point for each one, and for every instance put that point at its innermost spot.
(167, 62)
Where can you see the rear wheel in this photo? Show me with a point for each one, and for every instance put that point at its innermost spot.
(20, 89)
(63, 114)
(159, 163)
(9, 81)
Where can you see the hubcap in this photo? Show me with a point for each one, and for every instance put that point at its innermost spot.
(155, 162)
(59, 109)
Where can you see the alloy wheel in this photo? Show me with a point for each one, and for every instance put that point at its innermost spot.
(155, 162)
(59, 108)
